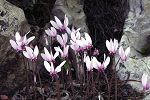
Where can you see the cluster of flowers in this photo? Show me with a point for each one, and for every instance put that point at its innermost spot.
(70, 38)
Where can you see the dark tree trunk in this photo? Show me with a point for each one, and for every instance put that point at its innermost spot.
(105, 19)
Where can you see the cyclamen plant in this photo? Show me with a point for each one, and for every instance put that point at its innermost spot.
(80, 43)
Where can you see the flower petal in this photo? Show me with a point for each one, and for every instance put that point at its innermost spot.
(121, 53)
(60, 40)
(17, 36)
(58, 68)
(88, 38)
(36, 51)
(106, 62)
(58, 22)
(108, 45)
(54, 24)
(44, 56)
(26, 55)
(46, 52)
(144, 79)
(56, 54)
(13, 44)
(66, 22)
(47, 66)
(127, 51)
(29, 51)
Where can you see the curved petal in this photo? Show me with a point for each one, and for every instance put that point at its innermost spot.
(46, 52)
(30, 39)
(60, 40)
(58, 22)
(68, 30)
(88, 38)
(54, 32)
(56, 54)
(58, 68)
(108, 45)
(36, 51)
(115, 45)
(29, 51)
(121, 53)
(127, 51)
(17, 36)
(54, 24)
(44, 57)
(106, 62)
(47, 66)
(94, 63)
(66, 22)
(66, 50)
(144, 79)
(73, 37)
(48, 32)
(13, 44)
(26, 55)
(88, 63)
(65, 38)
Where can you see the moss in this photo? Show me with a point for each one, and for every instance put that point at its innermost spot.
(145, 49)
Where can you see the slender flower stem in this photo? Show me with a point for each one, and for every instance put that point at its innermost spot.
(70, 78)
(116, 90)
(40, 82)
(87, 90)
(26, 73)
(34, 84)
(92, 83)
(108, 86)
(57, 87)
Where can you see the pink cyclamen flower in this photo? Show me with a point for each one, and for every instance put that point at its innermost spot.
(64, 52)
(51, 32)
(88, 40)
(82, 44)
(49, 56)
(145, 83)
(50, 68)
(62, 39)
(31, 54)
(20, 42)
(112, 46)
(89, 63)
(58, 24)
(75, 35)
(74, 46)
(124, 54)
(101, 66)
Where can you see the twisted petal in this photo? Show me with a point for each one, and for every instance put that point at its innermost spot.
(66, 22)
(58, 68)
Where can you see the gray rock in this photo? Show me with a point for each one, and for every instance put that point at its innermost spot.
(136, 35)
(11, 18)
(12, 68)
